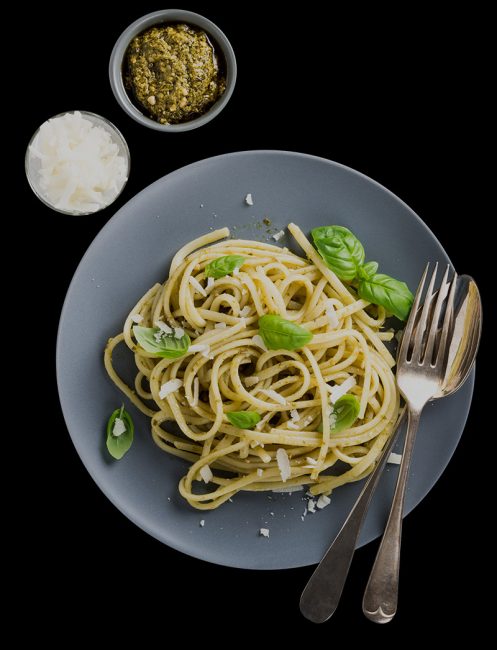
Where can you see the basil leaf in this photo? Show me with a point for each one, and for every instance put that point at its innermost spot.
(367, 270)
(280, 334)
(243, 419)
(222, 266)
(153, 339)
(119, 445)
(342, 252)
(344, 413)
(392, 294)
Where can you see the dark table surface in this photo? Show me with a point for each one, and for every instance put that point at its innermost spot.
(384, 95)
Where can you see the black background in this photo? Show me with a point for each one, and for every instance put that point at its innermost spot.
(399, 97)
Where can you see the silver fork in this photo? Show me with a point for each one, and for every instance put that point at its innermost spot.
(421, 365)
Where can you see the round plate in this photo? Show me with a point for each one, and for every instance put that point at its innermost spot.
(133, 251)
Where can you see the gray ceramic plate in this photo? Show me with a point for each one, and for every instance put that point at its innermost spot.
(134, 250)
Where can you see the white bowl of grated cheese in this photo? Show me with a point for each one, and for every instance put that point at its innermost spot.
(77, 163)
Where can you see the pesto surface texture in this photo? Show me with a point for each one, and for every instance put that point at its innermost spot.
(173, 73)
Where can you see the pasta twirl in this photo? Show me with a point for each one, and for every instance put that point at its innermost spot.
(227, 368)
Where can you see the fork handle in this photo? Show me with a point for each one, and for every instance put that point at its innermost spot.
(322, 593)
(380, 597)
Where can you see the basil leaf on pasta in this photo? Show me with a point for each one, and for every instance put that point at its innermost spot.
(340, 249)
(120, 433)
(344, 413)
(281, 334)
(243, 419)
(154, 340)
(388, 292)
(222, 266)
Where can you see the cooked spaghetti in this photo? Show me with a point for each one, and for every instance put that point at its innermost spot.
(227, 369)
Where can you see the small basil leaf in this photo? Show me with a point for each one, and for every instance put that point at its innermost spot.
(243, 419)
(344, 413)
(342, 252)
(119, 445)
(367, 270)
(154, 340)
(392, 294)
(280, 334)
(222, 266)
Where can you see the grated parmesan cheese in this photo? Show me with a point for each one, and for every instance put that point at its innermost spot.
(291, 424)
(338, 391)
(249, 200)
(394, 459)
(199, 347)
(311, 506)
(119, 427)
(163, 327)
(277, 236)
(178, 332)
(323, 501)
(197, 286)
(210, 283)
(331, 314)
(80, 168)
(245, 311)
(257, 340)
(272, 394)
(264, 532)
(136, 318)
(283, 464)
(220, 326)
(259, 472)
(311, 461)
(169, 387)
(201, 523)
(251, 381)
(206, 474)
(294, 414)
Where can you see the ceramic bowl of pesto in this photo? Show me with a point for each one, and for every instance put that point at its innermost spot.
(172, 70)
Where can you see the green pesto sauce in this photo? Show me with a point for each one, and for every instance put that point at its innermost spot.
(173, 72)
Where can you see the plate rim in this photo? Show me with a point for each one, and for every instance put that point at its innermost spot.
(121, 507)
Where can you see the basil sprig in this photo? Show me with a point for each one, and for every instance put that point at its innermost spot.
(222, 266)
(344, 413)
(243, 419)
(340, 249)
(154, 340)
(344, 254)
(119, 445)
(281, 334)
(367, 270)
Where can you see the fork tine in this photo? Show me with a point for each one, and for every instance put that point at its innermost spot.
(449, 310)
(423, 320)
(406, 337)
(432, 334)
